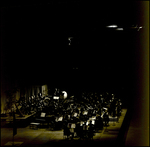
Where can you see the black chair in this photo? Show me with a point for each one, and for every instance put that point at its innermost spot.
(91, 131)
(106, 118)
(118, 112)
(50, 119)
(66, 132)
(78, 130)
(85, 131)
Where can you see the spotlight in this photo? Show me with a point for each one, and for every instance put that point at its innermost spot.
(112, 26)
(119, 29)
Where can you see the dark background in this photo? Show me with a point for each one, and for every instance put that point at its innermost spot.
(35, 46)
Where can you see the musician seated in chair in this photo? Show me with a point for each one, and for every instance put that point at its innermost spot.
(91, 131)
(66, 131)
(106, 118)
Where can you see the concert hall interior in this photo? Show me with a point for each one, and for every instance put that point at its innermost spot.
(75, 73)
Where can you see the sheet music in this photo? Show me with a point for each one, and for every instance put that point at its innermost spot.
(75, 115)
(60, 118)
(93, 122)
(43, 114)
(73, 125)
(85, 113)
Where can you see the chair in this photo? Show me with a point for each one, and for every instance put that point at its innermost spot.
(85, 131)
(66, 132)
(106, 119)
(91, 132)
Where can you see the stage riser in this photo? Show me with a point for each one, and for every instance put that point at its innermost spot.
(20, 123)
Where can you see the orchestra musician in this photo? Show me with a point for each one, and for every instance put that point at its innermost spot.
(74, 112)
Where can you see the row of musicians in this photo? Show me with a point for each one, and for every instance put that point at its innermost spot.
(78, 112)
(96, 120)
(83, 129)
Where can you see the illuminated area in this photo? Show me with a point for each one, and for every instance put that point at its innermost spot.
(112, 26)
(119, 29)
(75, 74)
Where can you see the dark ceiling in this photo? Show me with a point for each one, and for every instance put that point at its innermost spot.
(35, 42)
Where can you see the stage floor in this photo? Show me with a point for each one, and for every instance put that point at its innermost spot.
(43, 137)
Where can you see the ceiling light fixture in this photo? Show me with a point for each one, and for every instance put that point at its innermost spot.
(112, 26)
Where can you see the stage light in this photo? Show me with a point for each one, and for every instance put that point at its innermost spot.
(112, 26)
(119, 29)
